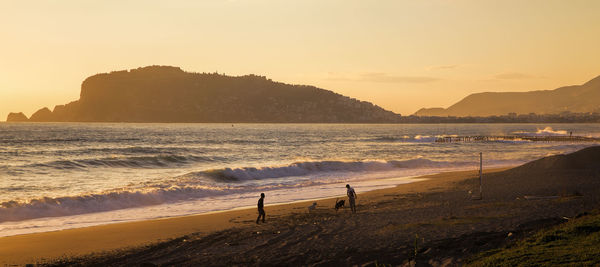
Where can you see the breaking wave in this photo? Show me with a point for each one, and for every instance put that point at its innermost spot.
(201, 184)
(66, 206)
(548, 131)
(312, 167)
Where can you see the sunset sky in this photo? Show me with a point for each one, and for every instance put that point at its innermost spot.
(401, 55)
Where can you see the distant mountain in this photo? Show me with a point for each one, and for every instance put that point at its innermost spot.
(576, 98)
(168, 94)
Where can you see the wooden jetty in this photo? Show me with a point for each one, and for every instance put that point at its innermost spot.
(500, 138)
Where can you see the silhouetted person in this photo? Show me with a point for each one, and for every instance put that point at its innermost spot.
(351, 198)
(261, 208)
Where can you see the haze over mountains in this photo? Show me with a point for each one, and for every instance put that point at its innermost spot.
(576, 98)
(168, 94)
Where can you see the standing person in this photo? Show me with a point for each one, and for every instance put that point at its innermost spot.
(261, 208)
(351, 198)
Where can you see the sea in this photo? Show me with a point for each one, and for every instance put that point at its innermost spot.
(56, 176)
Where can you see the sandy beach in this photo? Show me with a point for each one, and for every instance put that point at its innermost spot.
(40, 247)
(437, 214)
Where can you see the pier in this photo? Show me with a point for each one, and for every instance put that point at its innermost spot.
(495, 138)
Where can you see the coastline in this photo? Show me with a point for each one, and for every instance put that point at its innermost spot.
(188, 208)
(40, 247)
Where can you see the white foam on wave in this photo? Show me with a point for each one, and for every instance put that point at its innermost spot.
(186, 196)
(211, 183)
(203, 205)
(310, 167)
(547, 131)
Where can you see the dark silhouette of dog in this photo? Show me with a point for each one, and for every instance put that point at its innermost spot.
(339, 204)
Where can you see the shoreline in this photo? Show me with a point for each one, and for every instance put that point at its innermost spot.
(41, 225)
(407, 179)
(40, 247)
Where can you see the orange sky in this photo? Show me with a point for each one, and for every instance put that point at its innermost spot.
(401, 55)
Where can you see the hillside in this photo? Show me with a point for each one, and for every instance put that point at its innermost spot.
(577, 99)
(587, 159)
(168, 94)
(574, 243)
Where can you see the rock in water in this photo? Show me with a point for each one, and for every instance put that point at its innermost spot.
(43, 114)
(16, 117)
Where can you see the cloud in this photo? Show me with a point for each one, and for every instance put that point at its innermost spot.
(380, 77)
(513, 76)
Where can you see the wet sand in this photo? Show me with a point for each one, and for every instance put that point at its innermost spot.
(437, 214)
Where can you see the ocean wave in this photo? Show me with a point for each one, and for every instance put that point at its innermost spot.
(547, 131)
(158, 161)
(132, 198)
(105, 151)
(66, 206)
(312, 167)
(136, 150)
(133, 150)
(207, 183)
(65, 140)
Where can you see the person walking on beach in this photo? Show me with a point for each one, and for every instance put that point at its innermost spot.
(261, 208)
(351, 198)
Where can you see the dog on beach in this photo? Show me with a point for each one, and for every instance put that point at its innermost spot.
(312, 207)
(339, 204)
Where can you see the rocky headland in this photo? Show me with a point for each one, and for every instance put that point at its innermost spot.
(169, 94)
